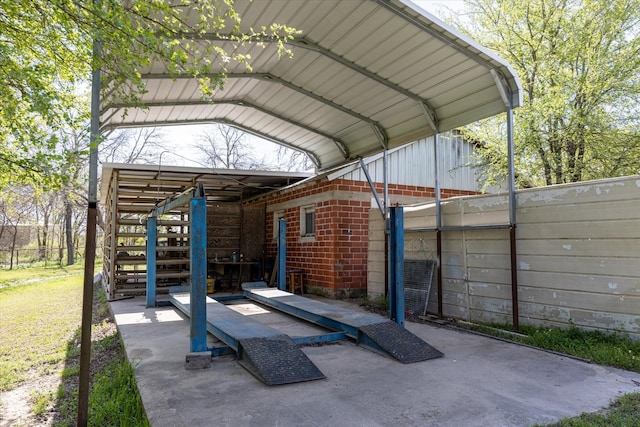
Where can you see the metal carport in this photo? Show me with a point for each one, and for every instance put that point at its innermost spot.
(366, 75)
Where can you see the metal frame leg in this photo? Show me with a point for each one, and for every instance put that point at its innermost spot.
(396, 285)
(198, 268)
(282, 255)
(152, 234)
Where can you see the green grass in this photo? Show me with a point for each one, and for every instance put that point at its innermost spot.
(115, 399)
(41, 402)
(378, 304)
(23, 274)
(40, 313)
(37, 321)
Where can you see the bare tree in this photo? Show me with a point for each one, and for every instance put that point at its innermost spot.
(16, 212)
(293, 160)
(226, 147)
(74, 144)
(141, 145)
(45, 204)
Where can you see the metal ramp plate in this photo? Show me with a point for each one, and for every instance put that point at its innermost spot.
(264, 351)
(397, 342)
(277, 360)
(367, 329)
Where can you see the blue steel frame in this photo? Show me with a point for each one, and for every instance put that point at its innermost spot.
(396, 265)
(198, 269)
(232, 344)
(152, 234)
(197, 259)
(348, 326)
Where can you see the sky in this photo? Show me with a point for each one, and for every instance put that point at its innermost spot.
(181, 140)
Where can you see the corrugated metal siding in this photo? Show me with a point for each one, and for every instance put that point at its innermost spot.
(413, 165)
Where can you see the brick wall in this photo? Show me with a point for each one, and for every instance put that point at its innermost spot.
(335, 260)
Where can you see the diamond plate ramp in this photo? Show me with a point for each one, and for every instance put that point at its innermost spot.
(276, 360)
(262, 350)
(397, 342)
(370, 330)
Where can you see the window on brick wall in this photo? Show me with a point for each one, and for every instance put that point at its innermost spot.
(308, 221)
(277, 216)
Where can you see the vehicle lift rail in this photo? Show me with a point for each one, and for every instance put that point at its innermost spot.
(387, 337)
(270, 355)
(368, 330)
(267, 353)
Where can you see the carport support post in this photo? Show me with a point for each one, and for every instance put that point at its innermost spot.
(198, 269)
(436, 173)
(90, 245)
(282, 254)
(512, 222)
(396, 285)
(152, 234)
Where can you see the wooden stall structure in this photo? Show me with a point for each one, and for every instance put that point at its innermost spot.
(235, 235)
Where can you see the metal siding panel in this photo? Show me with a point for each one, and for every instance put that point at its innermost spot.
(441, 62)
(305, 70)
(393, 63)
(348, 27)
(450, 93)
(380, 50)
(450, 80)
(413, 165)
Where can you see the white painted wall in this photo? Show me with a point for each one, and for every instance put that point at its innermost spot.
(578, 255)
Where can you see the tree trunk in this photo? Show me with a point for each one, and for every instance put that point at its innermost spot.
(40, 247)
(68, 229)
(13, 245)
(45, 235)
(61, 242)
(43, 245)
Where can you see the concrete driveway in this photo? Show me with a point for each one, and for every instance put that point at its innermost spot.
(479, 382)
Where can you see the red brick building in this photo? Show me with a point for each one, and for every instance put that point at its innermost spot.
(333, 253)
(327, 216)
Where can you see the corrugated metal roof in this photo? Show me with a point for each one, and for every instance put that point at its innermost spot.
(145, 185)
(365, 74)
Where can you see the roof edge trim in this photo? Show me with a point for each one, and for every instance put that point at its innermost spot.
(515, 85)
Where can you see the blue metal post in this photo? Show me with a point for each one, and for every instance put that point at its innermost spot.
(396, 285)
(152, 234)
(282, 254)
(391, 292)
(198, 269)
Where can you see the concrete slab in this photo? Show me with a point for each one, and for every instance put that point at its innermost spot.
(479, 381)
